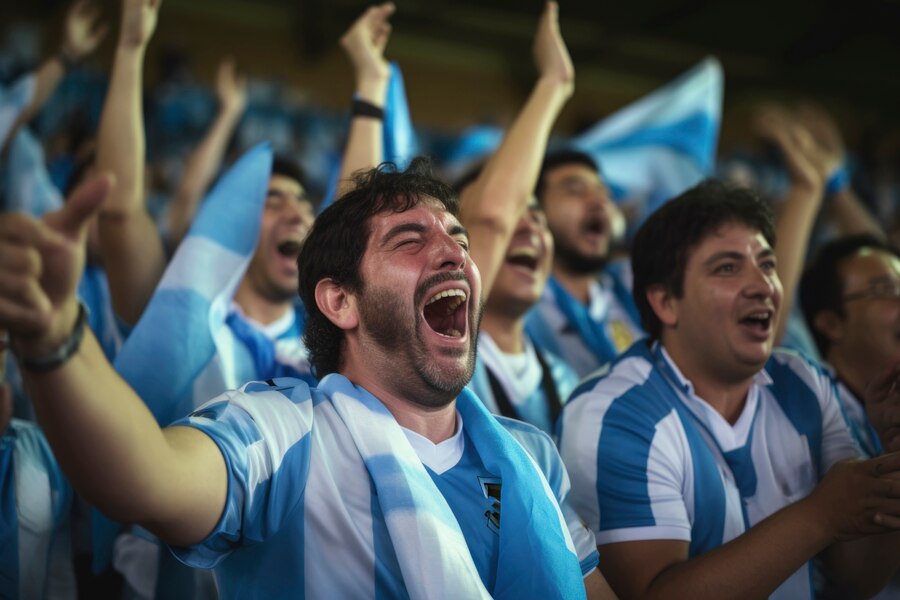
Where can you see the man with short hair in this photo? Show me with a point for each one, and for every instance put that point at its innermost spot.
(586, 314)
(387, 479)
(708, 465)
(850, 296)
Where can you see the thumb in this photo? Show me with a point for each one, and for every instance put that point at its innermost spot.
(81, 205)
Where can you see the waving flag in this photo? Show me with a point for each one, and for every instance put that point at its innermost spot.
(400, 145)
(183, 328)
(475, 144)
(662, 144)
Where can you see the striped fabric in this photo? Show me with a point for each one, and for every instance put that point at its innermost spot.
(662, 144)
(183, 327)
(329, 499)
(650, 460)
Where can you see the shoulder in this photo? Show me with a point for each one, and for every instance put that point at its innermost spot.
(791, 371)
(539, 446)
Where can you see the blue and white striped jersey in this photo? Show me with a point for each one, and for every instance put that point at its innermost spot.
(523, 387)
(35, 533)
(302, 518)
(616, 324)
(651, 460)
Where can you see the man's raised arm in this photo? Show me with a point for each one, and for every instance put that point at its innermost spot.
(492, 204)
(130, 243)
(171, 481)
(364, 44)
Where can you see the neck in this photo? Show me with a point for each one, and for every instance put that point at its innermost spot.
(727, 395)
(436, 423)
(577, 284)
(855, 376)
(259, 308)
(508, 332)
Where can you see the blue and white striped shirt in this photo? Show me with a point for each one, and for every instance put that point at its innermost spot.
(650, 460)
(302, 518)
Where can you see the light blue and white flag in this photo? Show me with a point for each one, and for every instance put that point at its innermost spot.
(399, 142)
(13, 101)
(662, 144)
(183, 328)
(29, 188)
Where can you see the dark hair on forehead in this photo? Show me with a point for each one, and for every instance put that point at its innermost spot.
(822, 288)
(560, 158)
(664, 242)
(337, 241)
(288, 167)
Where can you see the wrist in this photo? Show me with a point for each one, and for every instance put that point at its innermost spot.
(61, 329)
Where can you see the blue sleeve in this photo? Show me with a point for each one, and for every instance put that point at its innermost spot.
(264, 438)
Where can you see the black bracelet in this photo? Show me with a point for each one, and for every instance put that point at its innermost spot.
(361, 108)
(62, 353)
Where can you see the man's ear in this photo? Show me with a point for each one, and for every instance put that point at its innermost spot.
(829, 323)
(663, 303)
(337, 304)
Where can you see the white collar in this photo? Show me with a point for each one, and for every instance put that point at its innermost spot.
(442, 456)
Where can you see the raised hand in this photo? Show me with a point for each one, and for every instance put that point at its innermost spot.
(138, 22)
(550, 53)
(824, 131)
(231, 87)
(40, 264)
(807, 163)
(366, 39)
(83, 30)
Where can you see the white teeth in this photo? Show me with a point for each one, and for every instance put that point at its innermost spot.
(529, 252)
(448, 293)
(453, 333)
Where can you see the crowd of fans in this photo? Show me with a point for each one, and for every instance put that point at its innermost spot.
(294, 369)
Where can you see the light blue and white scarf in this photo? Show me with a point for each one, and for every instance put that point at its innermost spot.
(537, 558)
(29, 188)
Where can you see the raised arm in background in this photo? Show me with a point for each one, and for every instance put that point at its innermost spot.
(364, 44)
(492, 204)
(131, 247)
(206, 159)
(843, 208)
(82, 33)
(808, 167)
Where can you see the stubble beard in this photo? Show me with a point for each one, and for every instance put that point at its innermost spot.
(387, 322)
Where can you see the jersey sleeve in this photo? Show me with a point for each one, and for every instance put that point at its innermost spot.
(263, 432)
(629, 461)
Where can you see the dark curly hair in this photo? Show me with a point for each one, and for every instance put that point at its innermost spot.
(338, 239)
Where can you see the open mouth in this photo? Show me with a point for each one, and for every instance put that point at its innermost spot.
(595, 225)
(445, 312)
(523, 257)
(760, 321)
(289, 249)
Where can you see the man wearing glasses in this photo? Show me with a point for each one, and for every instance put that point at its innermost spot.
(850, 297)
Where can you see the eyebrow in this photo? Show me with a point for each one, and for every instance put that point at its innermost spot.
(734, 255)
(402, 228)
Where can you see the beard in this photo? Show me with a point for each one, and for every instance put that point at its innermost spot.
(575, 262)
(388, 323)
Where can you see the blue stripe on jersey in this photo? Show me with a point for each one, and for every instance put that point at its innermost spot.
(708, 527)
(387, 585)
(628, 430)
(800, 404)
